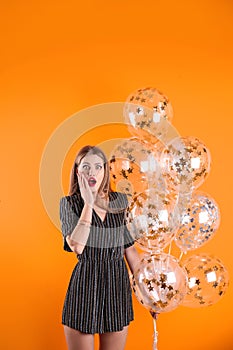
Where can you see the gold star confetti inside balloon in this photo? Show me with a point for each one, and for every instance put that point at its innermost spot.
(199, 220)
(208, 280)
(159, 282)
(146, 112)
(186, 163)
(153, 219)
(134, 167)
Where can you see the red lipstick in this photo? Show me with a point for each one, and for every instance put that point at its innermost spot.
(91, 181)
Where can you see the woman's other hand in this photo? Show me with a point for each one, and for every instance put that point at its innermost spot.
(154, 314)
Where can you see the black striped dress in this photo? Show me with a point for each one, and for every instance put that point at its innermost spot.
(99, 297)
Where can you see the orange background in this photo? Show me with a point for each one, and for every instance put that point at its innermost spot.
(61, 57)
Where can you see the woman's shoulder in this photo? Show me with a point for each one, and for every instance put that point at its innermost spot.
(118, 194)
(119, 198)
(73, 198)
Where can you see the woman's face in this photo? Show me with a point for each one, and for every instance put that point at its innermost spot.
(92, 166)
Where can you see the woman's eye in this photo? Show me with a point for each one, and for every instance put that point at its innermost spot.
(99, 167)
(85, 166)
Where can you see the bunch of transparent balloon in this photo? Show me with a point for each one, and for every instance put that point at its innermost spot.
(160, 172)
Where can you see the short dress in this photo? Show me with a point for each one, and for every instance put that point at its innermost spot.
(99, 296)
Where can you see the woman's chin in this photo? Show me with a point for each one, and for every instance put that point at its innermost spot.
(93, 189)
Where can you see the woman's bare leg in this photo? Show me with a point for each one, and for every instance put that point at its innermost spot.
(113, 340)
(77, 340)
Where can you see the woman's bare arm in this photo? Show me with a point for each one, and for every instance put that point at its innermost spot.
(132, 258)
(78, 238)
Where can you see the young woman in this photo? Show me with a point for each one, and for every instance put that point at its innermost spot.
(98, 299)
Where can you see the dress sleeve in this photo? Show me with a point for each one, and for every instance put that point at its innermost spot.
(128, 239)
(69, 219)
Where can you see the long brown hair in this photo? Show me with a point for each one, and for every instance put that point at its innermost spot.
(105, 184)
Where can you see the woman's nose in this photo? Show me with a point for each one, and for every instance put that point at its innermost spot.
(92, 172)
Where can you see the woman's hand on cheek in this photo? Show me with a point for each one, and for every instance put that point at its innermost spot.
(85, 190)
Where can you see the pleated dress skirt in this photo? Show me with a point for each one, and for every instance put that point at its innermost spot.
(98, 298)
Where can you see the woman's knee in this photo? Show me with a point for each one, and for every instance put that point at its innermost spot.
(114, 340)
(77, 340)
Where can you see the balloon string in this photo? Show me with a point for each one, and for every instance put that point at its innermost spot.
(170, 248)
(181, 254)
(155, 341)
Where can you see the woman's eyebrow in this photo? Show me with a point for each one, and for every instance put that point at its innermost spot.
(94, 163)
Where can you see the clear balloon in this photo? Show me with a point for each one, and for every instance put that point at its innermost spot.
(153, 219)
(134, 167)
(208, 280)
(186, 163)
(146, 111)
(125, 177)
(199, 220)
(159, 282)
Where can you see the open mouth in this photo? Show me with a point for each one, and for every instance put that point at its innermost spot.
(91, 182)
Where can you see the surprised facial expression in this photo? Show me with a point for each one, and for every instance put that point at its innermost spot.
(92, 167)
